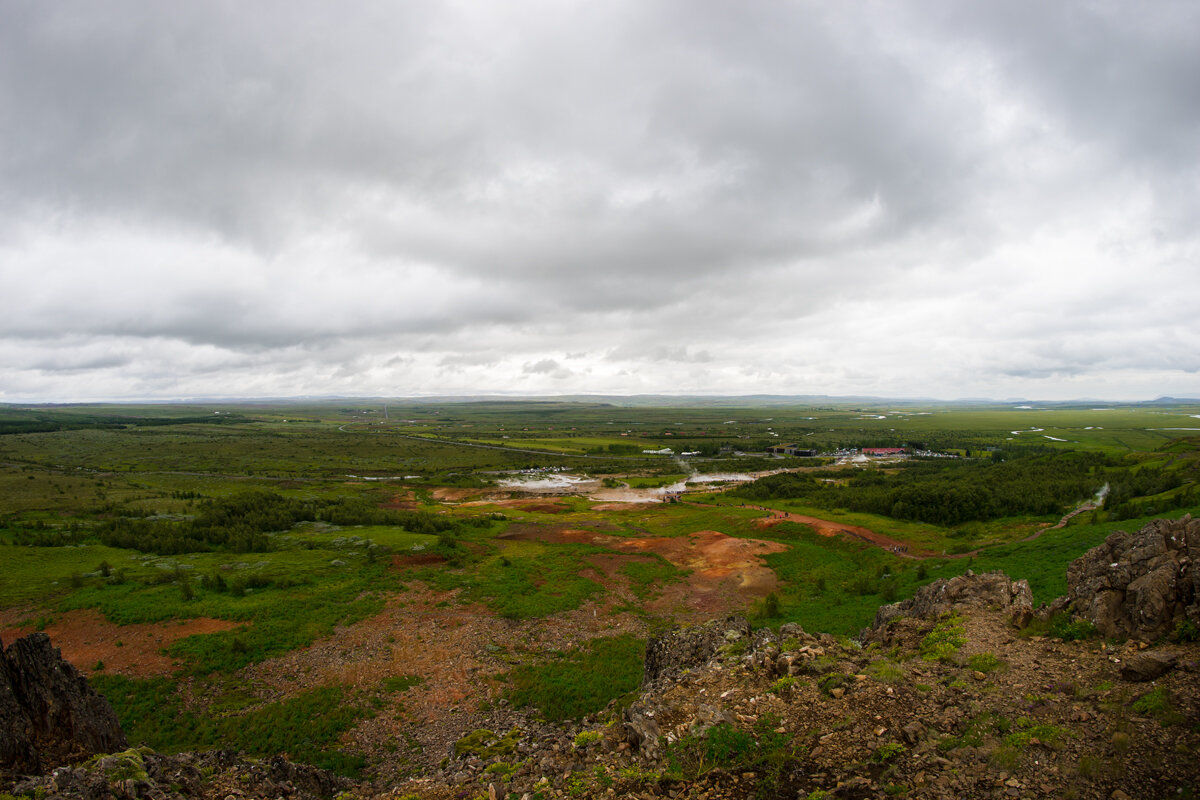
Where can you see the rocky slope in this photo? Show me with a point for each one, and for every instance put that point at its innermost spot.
(963, 691)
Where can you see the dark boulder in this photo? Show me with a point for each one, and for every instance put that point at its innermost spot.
(49, 715)
(1147, 666)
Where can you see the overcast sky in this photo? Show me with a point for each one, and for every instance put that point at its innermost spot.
(939, 199)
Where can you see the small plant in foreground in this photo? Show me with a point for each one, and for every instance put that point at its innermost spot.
(1185, 631)
(1157, 703)
(834, 680)
(984, 662)
(888, 752)
(886, 671)
(785, 685)
(401, 683)
(944, 641)
(761, 749)
(1070, 630)
(585, 738)
(486, 745)
(1049, 735)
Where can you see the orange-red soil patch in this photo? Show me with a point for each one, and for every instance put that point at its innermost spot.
(524, 504)
(403, 501)
(624, 506)
(86, 638)
(452, 495)
(826, 527)
(458, 650)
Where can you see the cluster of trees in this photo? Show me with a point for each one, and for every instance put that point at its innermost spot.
(1154, 486)
(1143, 482)
(241, 523)
(43, 423)
(948, 493)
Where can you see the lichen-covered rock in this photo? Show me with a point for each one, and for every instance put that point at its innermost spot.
(1142, 584)
(49, 715)
(993, 590)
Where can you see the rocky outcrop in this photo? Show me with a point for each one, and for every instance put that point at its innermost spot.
(671, 655)
(1142, 584)
(686, 648)
(49, 715)
(993, 590)
(682, 652)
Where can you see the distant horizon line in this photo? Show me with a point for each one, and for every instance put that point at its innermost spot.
(591, 397)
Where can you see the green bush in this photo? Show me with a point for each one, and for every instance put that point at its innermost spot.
(760, 749)
(1069, 630)
(1185, 631)
(1157, 703)
(886, 671)
(944, 641)
(585, 738)
(888, 752)
(487, 745)
(985, 662)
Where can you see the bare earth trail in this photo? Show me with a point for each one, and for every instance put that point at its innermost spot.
(825, 527)
(1062, 523)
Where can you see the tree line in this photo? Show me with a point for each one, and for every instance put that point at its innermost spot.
(949, 492)
(241, 523)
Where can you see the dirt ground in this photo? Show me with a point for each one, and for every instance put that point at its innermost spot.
(457, 652)
(825, 527)
(86, 639)
(450, 494)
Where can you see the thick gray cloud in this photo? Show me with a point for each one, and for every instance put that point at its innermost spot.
(922, 198)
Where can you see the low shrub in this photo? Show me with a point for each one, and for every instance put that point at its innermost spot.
(760, 749)
(944, 641)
